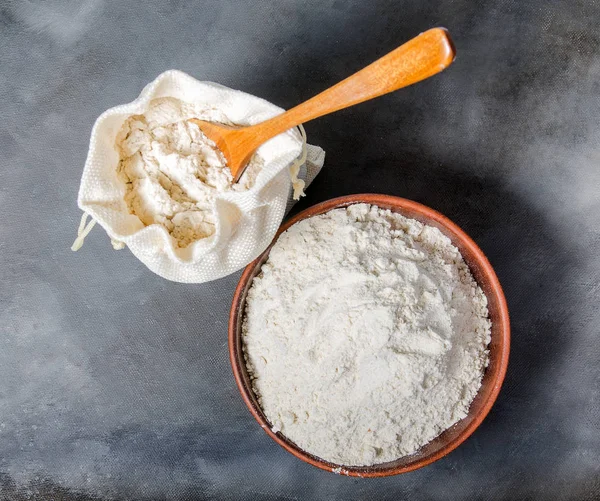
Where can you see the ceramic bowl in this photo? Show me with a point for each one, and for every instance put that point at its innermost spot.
(499, 345)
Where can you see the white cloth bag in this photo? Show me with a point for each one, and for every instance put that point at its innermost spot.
(246, 221)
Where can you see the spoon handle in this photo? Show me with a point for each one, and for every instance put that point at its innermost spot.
(418, 59)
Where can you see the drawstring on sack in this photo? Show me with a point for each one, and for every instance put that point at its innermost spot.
(297, 183)
(83, 231)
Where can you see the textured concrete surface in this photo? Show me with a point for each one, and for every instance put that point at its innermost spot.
(115, 384)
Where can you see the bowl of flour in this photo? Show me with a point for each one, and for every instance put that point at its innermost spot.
(371, 338)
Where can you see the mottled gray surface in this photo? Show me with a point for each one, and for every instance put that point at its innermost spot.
(115, 383)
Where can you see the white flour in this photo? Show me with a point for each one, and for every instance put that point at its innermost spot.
(365, 334)
(173, 171)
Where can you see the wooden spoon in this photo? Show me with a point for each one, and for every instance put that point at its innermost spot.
(418, 59)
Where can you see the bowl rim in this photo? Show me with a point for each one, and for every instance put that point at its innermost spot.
(464, 243)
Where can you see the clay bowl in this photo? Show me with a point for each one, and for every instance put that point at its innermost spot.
(499, 346)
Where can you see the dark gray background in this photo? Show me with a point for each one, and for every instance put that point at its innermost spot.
(115, 384)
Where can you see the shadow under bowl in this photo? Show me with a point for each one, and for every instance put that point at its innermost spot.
(498, 347)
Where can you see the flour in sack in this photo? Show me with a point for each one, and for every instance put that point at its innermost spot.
(173, 172)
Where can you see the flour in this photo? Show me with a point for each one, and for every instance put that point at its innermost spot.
(365, 335)
(173, 171)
